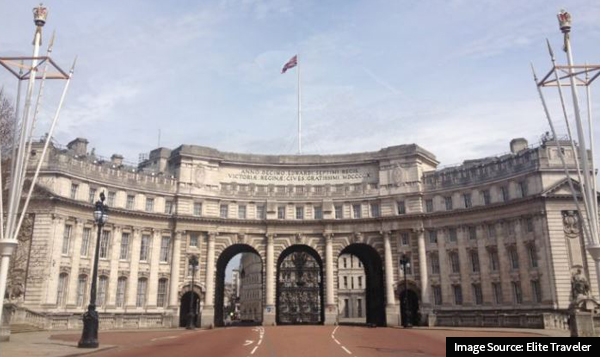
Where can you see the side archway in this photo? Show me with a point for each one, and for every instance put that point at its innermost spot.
(374, 292)
(222, 262)
(299, 288)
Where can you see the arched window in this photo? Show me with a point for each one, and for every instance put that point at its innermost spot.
(63, 281)
(121, 288)
(81, 289)
(162, 293)
(140, 300)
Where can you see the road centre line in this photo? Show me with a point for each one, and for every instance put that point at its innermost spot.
(345, 349)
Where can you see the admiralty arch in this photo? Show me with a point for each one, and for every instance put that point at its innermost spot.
(491, 242)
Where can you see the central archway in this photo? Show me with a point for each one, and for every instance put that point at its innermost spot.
(299, 287)
(222, 261)
(374, 292)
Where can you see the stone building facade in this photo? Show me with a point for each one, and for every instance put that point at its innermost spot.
(351, 289)
(492, 241)
(251, 287)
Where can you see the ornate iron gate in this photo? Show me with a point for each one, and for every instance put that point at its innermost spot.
(299, 286)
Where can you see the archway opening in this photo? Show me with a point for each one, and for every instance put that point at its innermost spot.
(299, 296)
(239, 287)
(374, 287)
(351, 290)
(409, 305)
(190, 302)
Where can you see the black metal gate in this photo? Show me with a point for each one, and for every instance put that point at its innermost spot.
(299, 286)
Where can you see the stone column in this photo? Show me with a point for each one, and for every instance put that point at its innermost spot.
(154, 261)
(208, 310)
(77, 237)
(175, 266)
(392, 310)
(423, 274)
(269, 313)
(330, 306)
(114, 268)
(136, 241)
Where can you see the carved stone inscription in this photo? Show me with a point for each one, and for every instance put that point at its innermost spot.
(357, 174)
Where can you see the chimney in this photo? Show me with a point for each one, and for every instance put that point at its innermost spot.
(518, 144)
(78, 146)
(117, 159)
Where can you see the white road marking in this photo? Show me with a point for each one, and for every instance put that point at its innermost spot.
(345, 349)
(248, 342)
(254, 350)
(338, 342)
(163, 338)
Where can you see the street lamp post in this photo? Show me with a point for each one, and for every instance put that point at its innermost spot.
(191, 323)
(89, 337)
(405, 262)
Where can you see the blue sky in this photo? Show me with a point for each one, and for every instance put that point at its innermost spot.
(451, 76)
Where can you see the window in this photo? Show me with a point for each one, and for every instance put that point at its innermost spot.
(346, 308)
(523, 188)
(224, 211)
(102, 289)
(165, 243)
(359, 307)
(477, 294)
(281, 212)
(92, 195)
(299, 212)
(404, 238)
(497, 290)
(81, 289)
(61, 295)
(66, 240)
(486, 197)
(197, 209)
(339, 213)
(454, 262)
(494, 263)
(401, 207)
(504, 193)
(472, 233)
(168, 207)
(318, 189)
(452, 235)
(536, 291)
(514, 258)
(121, 288)
(241, 211)
(360, 282)
(432, 236)
(533, 261)
(491, 228)
(74, 188)
(318, 212)
(193, 240)
(352, 282)
(475, 261)
(375, 210)
(161, 299)
(144, 248)
(345, 263)
(85, 242)
(104, 244)
(111, 198)
(149, 204)
(356, 211)
(345, 282)
(437, 294)
(261, 212)
(457, 294)
(130, 202)
(448, 202)
(429, 205)
(467, 199)
(435, 263)
(124, 254)
(140, 300)
(517, 293)
(529, 224)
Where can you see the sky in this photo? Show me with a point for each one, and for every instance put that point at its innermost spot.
(451, 76)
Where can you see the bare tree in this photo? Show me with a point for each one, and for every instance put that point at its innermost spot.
(7, 124)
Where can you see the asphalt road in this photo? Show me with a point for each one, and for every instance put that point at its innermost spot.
(281, 341)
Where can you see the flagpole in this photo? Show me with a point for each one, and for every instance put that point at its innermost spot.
(299, 108)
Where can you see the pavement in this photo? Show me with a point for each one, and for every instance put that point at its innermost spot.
(258, 341)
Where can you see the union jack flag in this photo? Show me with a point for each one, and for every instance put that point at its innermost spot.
(293, 62)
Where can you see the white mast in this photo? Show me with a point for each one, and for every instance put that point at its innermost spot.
(299, 107)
